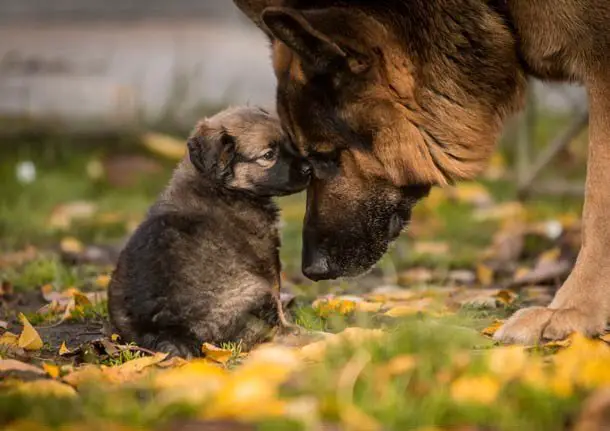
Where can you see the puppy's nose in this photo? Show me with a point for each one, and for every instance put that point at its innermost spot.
(306, 168)
(316, 266)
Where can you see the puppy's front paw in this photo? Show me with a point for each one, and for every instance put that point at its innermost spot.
(174, 349)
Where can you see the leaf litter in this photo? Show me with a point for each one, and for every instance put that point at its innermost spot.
(382, 354)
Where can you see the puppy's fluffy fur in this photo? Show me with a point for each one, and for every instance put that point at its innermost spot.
(204, 265)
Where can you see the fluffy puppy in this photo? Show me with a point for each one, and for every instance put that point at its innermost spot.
(204, 265)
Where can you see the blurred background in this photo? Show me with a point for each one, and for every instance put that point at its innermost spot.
(96, 99)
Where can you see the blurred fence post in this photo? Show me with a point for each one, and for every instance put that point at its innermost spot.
(528, 170)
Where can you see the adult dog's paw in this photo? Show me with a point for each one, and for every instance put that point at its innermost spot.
(568, 320)
(532, 325)
(525, 326)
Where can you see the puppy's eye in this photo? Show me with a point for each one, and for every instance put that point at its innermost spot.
(269, 155)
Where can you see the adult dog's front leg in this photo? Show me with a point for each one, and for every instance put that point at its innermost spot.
(583, 302)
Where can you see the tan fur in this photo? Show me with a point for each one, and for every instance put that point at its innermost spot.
(256, 130)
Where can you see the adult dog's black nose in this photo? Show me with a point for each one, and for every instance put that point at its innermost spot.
(316, 266)
(306, 168)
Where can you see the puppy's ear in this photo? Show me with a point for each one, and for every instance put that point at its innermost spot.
(212, 152)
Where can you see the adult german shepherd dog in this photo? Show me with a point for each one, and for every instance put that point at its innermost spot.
(387, 98)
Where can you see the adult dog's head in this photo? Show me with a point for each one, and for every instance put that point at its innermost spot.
(385, 99)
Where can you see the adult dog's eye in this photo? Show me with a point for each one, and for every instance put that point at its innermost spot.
(269, 155)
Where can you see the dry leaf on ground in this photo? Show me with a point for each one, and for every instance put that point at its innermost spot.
(9, 339)
(434, 248)
(216, 354)
(493, 328)
(44, 389)
(164, 145)
(475, 389)
(485, 275)
(29, 338)
(51, 370)
(351, 336)
(327, 306)
(507, 362)
(193, 382)
(71, 245)
(63, 350)
(14, 365)
(63, 215)
(471, 193)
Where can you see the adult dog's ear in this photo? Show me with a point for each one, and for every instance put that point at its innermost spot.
(303, 33)
(212, 152)
(253, 9)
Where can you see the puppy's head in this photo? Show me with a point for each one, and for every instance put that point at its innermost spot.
(245, 149)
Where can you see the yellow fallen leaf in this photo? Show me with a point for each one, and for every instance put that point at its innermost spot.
(434, 248)
(63, 215)
(558, 343)
(71, 245)
(164, 145)
(274, 362)
(9, 339)
(87, 374)
(52, 370)
(115, 337)
(496, 167)
(355, 419)
(63, 349)
(326, 307)
(250, 400)
(521, 272)
(410, 308)
(102, 281)
(471, 193)
(132, 369)
(397, 295)
(507, 362)
(81, 300)
(475, 389)
(415, 276)
(350, 336)
(400, 365)
(45, 388)
(493, 328)
(216, 354)
(29, 338)
(536, 375)
(506, 297)
(402, 310)
(485, 275)
(550, 256)
(14, 365)
(194, 382)
(368, 307)
(503, 211)
(45, 289)
(584, 362)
